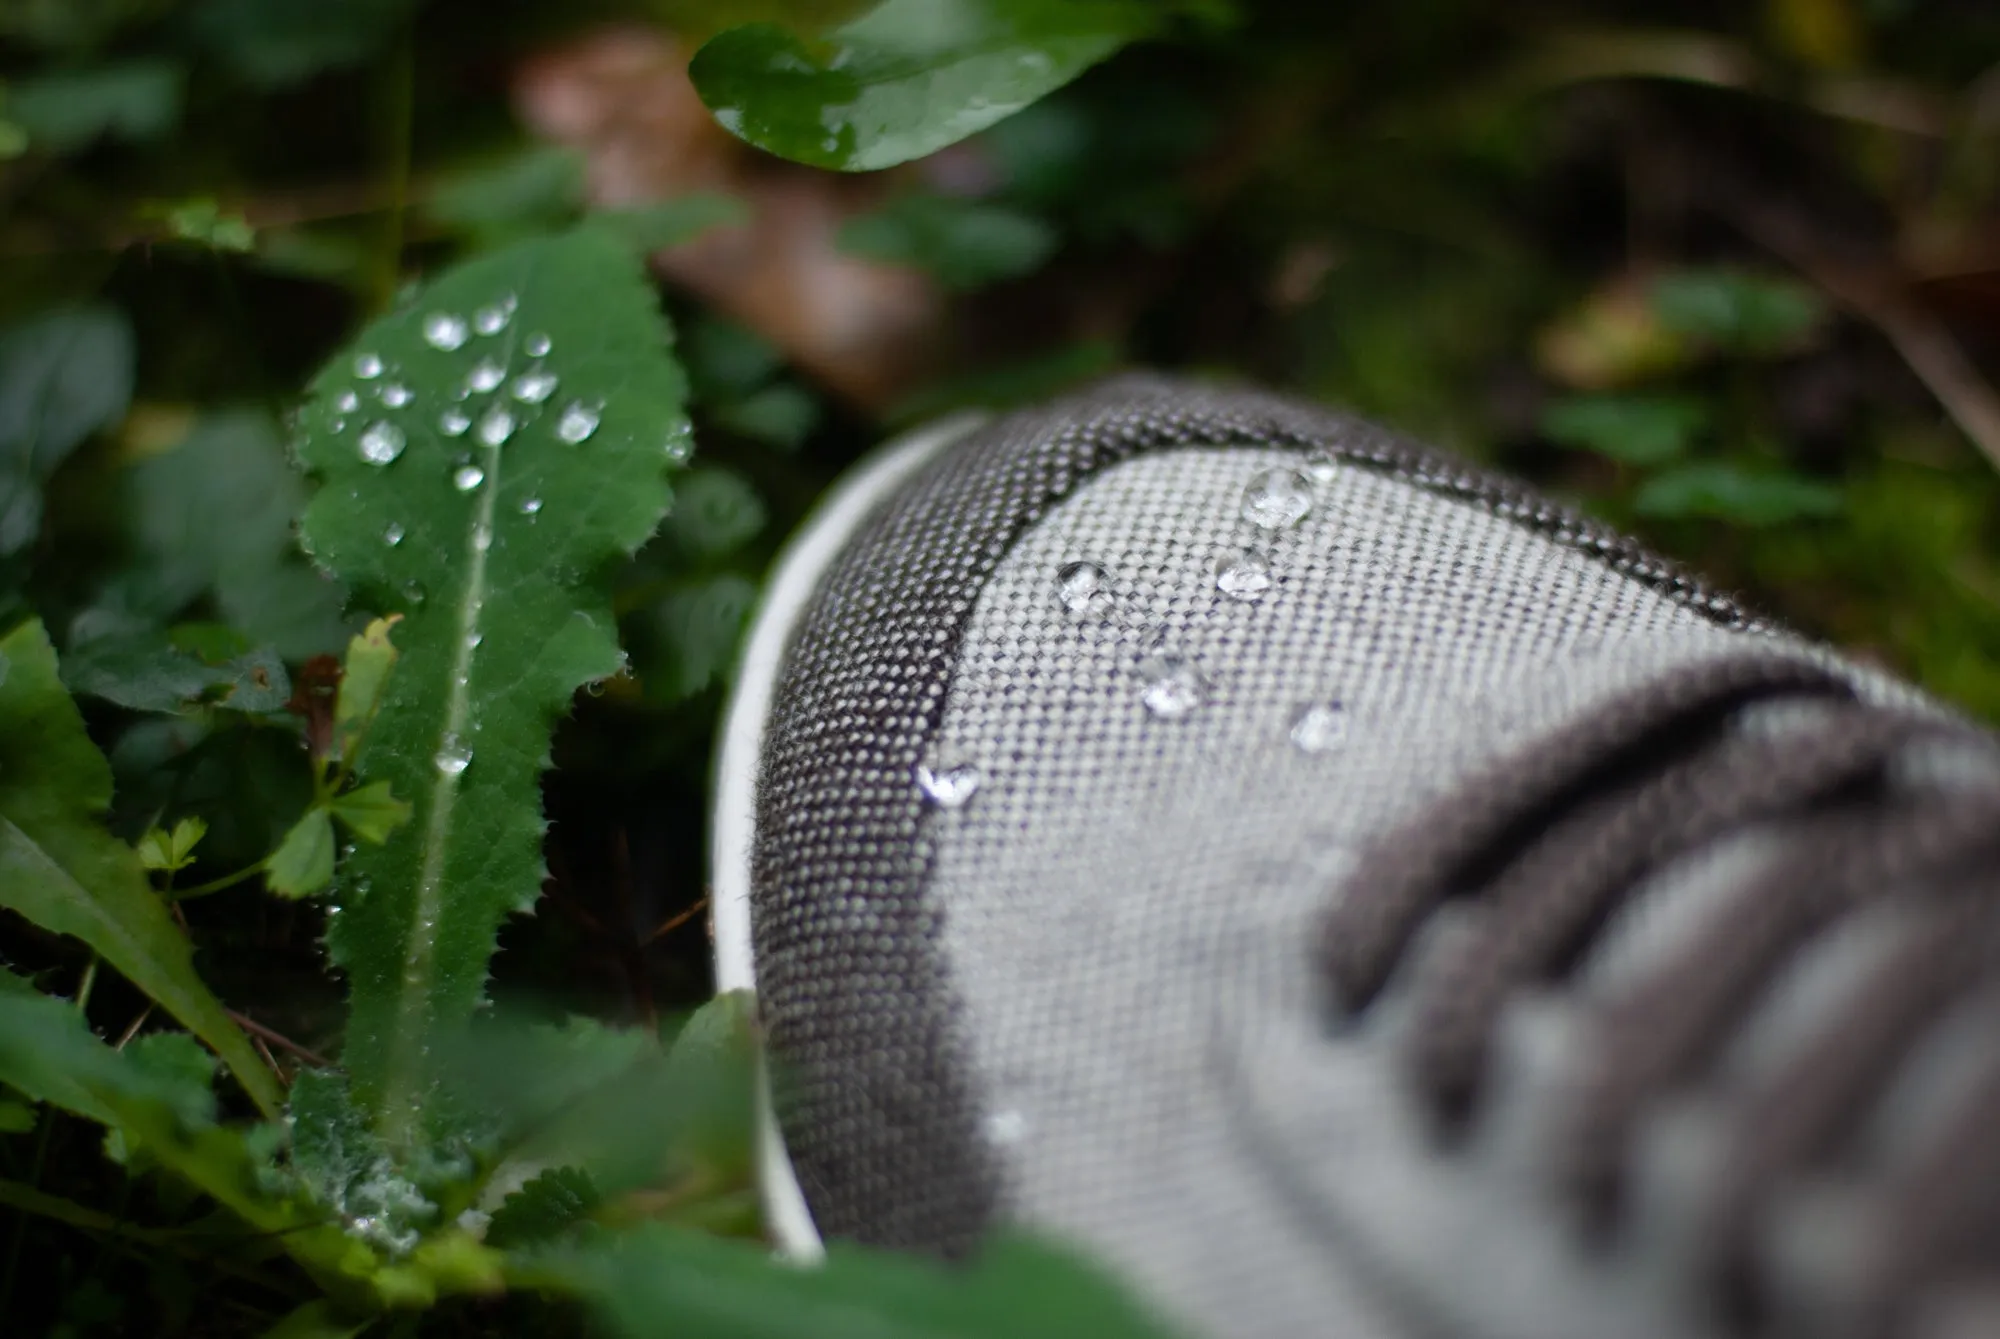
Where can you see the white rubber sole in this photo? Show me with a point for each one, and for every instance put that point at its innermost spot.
(794, 579)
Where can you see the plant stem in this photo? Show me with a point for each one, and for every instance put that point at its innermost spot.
(217, 885)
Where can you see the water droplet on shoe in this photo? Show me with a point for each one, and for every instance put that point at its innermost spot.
(947, 785)
(380, 443)
(392, 534)
(1277, 499)
(1244, 575)
(1320, 728)
(1322, 467)
(347, 402)
(485, 375)
(467, 477)
(578, 421)
(395, 394)
(538, 345)
(443, 330)
(367, 366)
(496, 427)
(1174, 685)
(452, 757)
(1005, 1127)
(453, 423)
(530, 506)
(1085, 589)
(534, 385)
(491, 320)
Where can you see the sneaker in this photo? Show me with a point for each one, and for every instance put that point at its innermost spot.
(1350, 894)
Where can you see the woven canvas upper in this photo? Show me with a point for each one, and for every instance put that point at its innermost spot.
(1078, 740)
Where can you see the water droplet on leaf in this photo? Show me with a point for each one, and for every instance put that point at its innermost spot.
(473, 639)
(347, 402)
(395, 394)
(414, 592)
(680, 446)
(1277, 499)
(467, 477)
(482, 537)
(443, 330)
(392, 534)
(534, 385)
(452, 757)
(453, 423)
(578, 421)
(538, 345)
(491, 320)
(381, 443)
(496, 427)
(1245, 575)
(367, 366)
(485, 375)
(530, 506)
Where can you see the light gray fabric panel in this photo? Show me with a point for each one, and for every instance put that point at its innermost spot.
(1127, 900)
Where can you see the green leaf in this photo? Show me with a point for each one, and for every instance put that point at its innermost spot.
(215, 514)
(63, 871)
(963, 244)
(907, 77)
(303, 862)
(1635, 429)
(19, 1117)
(726, 360)
(532, 190)
(716, 1289)
(715, 512)
(205, 223)
(135, 100)
(1734, 309)
(670, 223)
(370, 657)
(350, 1170)
(370, 811)
(172, 851)
(483, 483)
(317, 1319)
(276, 42)
(148, 673)
(1746, 496)
(782, 416)
(63, 375)
(690, 638)
(545, 1209)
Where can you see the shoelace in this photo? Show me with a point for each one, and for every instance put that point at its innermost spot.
(1538, 857)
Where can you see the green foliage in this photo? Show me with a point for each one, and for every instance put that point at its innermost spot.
(64, 872)
(173, 851)
(1738, 311)
(482, 454)
(551, 1206)
(63, 376)
(963, 243)
(67, 111)
(905, 78)
(722, 1290)
(1638, 430)
(1730, 492)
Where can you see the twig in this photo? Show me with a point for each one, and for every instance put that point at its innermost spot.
(676, 921)
(1922, 340)
(276, 1038)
